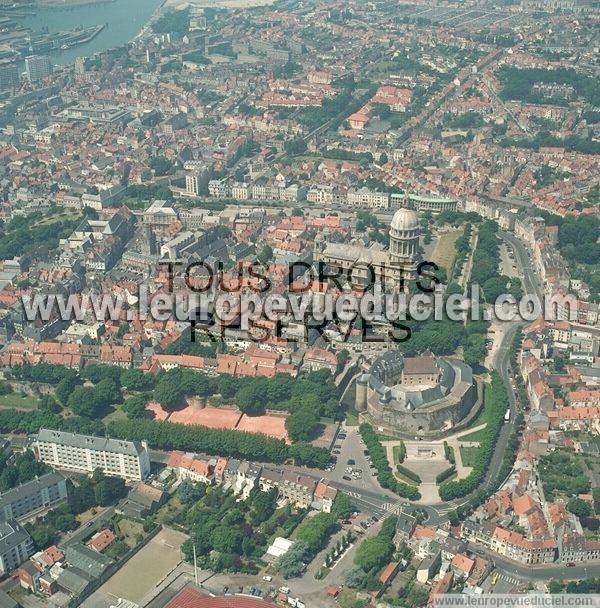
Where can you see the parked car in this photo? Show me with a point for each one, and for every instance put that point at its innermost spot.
(346, 478)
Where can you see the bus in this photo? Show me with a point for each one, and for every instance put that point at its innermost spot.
(507, 415)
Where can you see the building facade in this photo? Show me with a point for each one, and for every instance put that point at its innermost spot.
(37, 494)
(85, 454)
(15, 546)
(37, 67)
(424, 395)
(392, 268)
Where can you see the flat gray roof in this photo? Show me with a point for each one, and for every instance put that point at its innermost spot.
(29, 487)
(90, 442)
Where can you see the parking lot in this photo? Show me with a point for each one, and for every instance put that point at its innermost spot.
(352, 463)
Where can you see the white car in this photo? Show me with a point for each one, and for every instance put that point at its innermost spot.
(267, 578)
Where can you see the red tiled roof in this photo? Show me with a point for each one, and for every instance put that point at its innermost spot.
(192, 598)
(101, 540)
(388, 573)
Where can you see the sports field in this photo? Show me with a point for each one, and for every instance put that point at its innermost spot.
(224, 418)
(144, 571)
(272, 426)
(213, 417)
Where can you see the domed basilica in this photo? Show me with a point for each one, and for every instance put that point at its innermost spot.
(392, 267)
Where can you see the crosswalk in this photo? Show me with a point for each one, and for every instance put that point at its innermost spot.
(392, 507)
(509, 579)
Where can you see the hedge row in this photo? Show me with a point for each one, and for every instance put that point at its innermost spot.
(408, 473)
(18, 421)
(224, 442)
(401, 452)
(445, 474)
(449, 453)
(384, 472)
(496, 404)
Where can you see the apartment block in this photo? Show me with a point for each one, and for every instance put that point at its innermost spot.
(15, 546)
(37, 67)
(39, 493)
(85, 454)
(298, 490)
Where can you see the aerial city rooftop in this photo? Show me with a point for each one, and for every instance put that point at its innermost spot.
(268, 324)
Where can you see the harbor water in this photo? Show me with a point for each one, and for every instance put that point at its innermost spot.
(123, 19)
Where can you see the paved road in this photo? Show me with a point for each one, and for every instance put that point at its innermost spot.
(93, 525)
(538, 573)
(531, 282)
(439, 514)
(502, 364)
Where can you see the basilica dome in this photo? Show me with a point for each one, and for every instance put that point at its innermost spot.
(405, 219)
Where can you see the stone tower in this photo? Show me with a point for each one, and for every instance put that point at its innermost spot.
(404, 243)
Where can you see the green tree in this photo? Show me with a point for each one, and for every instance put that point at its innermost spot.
(295, 147)
(97, 373)
(170, 396)
(356, 577)
(161, 166)
(135, 407)
(251, 397)
(342, 507)
(475, 349)
(596, 495)
(293, 562)
(315, 531)
(373, 553)
(189, 492)
(108, 490)
(49, 404)
(136, 380)
(265, 254)
(302, 424)
(64, 389)
(579, 507)
(227, 539)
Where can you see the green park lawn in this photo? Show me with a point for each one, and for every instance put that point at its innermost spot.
(14, 400)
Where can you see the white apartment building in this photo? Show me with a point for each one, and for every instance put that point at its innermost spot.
(218, 188)
(16, 546)
(326, 195)
(241, 192)
(369, 198)
(85, 454)
(192, 184)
